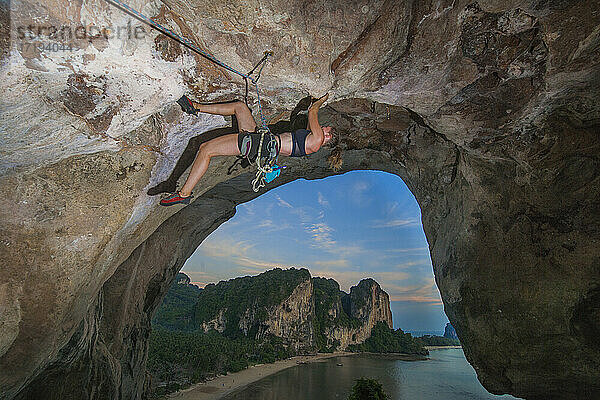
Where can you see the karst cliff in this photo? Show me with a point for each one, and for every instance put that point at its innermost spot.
(488, 110)
(305, 312)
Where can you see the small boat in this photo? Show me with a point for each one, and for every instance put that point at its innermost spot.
(339, 364)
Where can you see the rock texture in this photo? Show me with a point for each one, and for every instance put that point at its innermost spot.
(487, 110)
(366, 303)
(292, 319)
(450, 332)
(218, 323)
(308, 308)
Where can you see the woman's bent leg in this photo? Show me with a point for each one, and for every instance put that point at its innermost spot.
(240, 110)
(222, 146)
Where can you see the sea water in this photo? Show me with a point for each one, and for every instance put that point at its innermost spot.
(445, 375)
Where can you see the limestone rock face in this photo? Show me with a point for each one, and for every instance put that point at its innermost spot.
(275, 303)
(487, 110)
(344, 318)
(366, 302)
(291, 305)
(369, 303)
(218, 323)
(292, 319)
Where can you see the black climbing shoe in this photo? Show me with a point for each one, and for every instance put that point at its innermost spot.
(186, 105)
(163, 187)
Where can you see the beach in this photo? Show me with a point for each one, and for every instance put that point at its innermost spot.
(225, 384)
(442, 347)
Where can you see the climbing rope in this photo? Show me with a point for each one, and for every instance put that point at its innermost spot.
(262, 64)
(193, 47)
(264, 168)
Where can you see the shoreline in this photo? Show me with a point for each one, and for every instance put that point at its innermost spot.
(225, 384)
(397, 356)
(442, 347)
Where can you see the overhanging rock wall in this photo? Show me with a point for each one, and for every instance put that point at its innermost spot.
(488, 111)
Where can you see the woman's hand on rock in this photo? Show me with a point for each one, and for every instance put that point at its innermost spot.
(317, 104)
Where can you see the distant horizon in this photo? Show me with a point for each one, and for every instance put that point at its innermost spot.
(347, 227)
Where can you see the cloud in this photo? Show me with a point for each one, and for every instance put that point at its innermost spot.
(360, 186)
(391, 207)
(268, 225)
(322, 200)
(248, 207)
(321, 235)
(390, 276)
(352, 250)
(282, 202)
(424, 293)
(341, 263)
(200, 278)
(410, 264)
(418, 299)
(237, 253)
(360, 194)
(197, 274)
(394, 223)
(303, 215)
(202, 282)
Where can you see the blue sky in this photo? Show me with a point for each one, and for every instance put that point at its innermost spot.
(348, 227)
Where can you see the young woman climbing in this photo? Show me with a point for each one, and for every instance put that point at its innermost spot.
(247, 142)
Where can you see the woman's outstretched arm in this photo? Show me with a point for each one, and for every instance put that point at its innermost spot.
(315, 139)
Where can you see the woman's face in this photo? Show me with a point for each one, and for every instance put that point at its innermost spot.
(327, 133)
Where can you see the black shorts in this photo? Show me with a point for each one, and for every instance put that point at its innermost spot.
(248, 143)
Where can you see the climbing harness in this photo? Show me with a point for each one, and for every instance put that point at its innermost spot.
(265, 164)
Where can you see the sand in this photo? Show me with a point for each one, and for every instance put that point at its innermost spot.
(223, 385)
(442, 347)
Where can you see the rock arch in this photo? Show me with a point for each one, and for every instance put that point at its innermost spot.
(487, 111)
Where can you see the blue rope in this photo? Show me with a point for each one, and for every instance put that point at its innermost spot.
(198, 50)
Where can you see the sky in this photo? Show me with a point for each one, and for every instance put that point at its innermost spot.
(362, 224)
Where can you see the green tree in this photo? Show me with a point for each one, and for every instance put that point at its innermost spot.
(429, 340)
(367, 389)
(383, 339)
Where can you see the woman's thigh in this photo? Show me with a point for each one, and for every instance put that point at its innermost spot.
(245, 119)
(226, 145)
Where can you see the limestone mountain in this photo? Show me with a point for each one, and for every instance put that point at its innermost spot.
(307, 313)
(347, 318)
(277, 302)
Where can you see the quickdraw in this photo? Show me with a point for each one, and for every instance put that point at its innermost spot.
(267, 170)
(266, 166)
